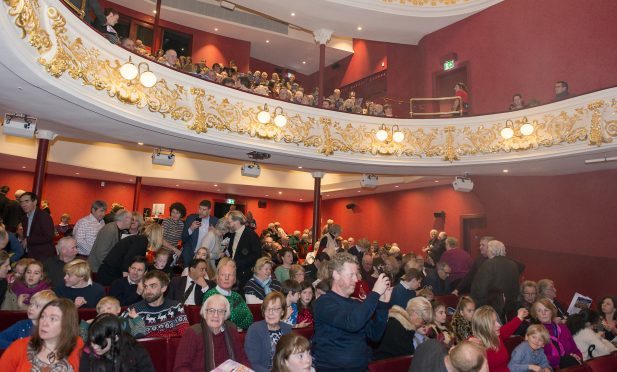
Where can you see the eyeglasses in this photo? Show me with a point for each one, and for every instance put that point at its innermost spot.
(216, 311)
(273, 310)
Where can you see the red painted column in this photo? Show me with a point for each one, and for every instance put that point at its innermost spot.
(137, 193)
(44, 136)
(156, 34)
(322, 66)
(316, 208)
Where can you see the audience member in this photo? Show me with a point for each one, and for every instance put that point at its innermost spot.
(13, 212)
(4, 201)
(65, 227)
(464, 286)
(55, 344)
(87, 228)
(291, 290)
(547, 289)
(343, 325)
(5, 267)
(190, 290)
(489, 333)
(465, 356)
(133, 323)
(460, 261)
(561, 351)
(110, 217)
(262, 336)
(497, 272)
(163, 317)
(461, 320)
(517, 103)
(590, 343)
(305, 304)
(211, 342)
(460, 90)
(436, 250)
(173, 226)
(282, 271)
(127, 289)
(406, 289)
(107, 237)
(262, 282)
(111, 19)
(398, 338)
(162, 261)
(137, 223)
(561, 91)
(54, 266)
(608, 316)
(529, 355)
(38, 228)
(327, 243)
(129, 44)
(439, 329)
(293, 354)
(437, 279)
(310, 270)
(24, 288)
(23, 328)
(243, 248)
(240, 315)
(116, 264)
(110, 348)
(296, 273)
(9, 242)
(213, 241)
(368, 271)
(79, 287)
(196, 227)
(170, 58)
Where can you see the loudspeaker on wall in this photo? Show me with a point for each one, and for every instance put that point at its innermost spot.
(262, 203)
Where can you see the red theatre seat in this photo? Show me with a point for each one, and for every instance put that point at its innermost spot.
(581, 368)
(172, 347)
(398, 364)
(86, 314)
(306, 332)
(256, 311)
(602, 364)
(157, 348)
(192, 313)
(8, 318)
(512, 342)
(449, 300)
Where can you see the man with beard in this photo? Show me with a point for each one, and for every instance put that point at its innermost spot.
(162, 316)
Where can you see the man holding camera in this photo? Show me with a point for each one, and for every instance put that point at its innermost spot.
(196, 227)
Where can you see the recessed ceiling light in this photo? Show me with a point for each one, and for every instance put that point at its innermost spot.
(293, 14)
(304, 62)
(436, 181)
(76, 172)
(299, 167)
(300, 199)
(267, 195)
(23, 167)
(154, 11)
(359, 28)
(359, 191)
(267, 41)
(218, 189)
(327, 194)
(130, 180)
(280, 193)
(140, 143)
(216, 29)
(505, 171)
(215, 185)
(177, 185)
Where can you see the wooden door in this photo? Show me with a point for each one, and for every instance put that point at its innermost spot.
(473, 227)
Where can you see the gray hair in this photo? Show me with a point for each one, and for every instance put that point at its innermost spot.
(422, 307)
(496, 248)
(222, 225)
(62, 241)
(334, 229)
(122, 214)
(214, 297)
(97, 204)
(237, 216)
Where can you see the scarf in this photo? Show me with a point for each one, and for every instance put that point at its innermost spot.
(20, 288)
(209, 342)
(265, 284)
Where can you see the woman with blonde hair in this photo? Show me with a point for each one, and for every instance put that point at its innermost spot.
(116, 264)
(262, 283)
(489, 333)
(78, 286)
(398, 338)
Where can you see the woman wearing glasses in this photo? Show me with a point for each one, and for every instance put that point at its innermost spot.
(262, 336)
(205, 346)
(398, 339)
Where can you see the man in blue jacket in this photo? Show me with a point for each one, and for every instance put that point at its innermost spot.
(343, 325)
(195, 229)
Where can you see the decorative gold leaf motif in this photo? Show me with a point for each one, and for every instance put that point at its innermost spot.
(27, 19)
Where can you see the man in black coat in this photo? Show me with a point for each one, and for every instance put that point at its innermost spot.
(195, 229)
(38, 228)
(437, 279)
(244, 247)
(189, 290)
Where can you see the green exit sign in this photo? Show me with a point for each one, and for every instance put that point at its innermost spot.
(448, 65)
(230, 201)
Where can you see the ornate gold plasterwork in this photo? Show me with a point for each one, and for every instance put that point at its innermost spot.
(62, 55)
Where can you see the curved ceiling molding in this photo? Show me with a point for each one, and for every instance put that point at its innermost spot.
(420, 8)
(187, 113)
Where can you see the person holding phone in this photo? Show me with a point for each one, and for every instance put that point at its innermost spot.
(195, 229)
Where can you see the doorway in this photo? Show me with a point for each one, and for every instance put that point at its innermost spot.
(473, 227)
(443, 85)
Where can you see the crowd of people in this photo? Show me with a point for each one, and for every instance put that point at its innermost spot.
(364, 301)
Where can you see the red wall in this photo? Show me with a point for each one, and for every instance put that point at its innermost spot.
(525, 46)
(73, 196)
(259, 65)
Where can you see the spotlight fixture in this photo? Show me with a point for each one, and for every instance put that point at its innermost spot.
(129, 71)
(462, 184)
(161, 157)
(19, 125)
(264, 116)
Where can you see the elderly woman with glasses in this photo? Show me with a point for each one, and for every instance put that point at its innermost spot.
(205, 346)
(262, 336)
(398, 339)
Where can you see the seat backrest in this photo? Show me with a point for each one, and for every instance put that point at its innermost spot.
(512, 342)
(86, 314)
(192, 313)
(157, 348)
(256, 311)
(398, 364)
(306, 332)
(172, 347)
(9, 317)
(581, 368)
(449, 300)
(602, 364)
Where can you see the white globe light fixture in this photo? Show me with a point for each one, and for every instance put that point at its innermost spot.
(264, 115)
(129, 71)
(382, 134)
(397, 135)
(507, 132)
(280, 120)
(147, 79)
(527, 128)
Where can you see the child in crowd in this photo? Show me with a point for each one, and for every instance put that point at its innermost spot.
(18, 271)
(529, 355)
(439, 328)
(162, 261)
(291, 290)
(33, 281)
(134, 324)
(305, 305)
(461, 321)
(23, 328)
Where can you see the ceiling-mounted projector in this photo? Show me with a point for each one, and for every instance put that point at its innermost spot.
(163, 158)
(462, 184)
(370, 181)
(250, 170)
(19, 125)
